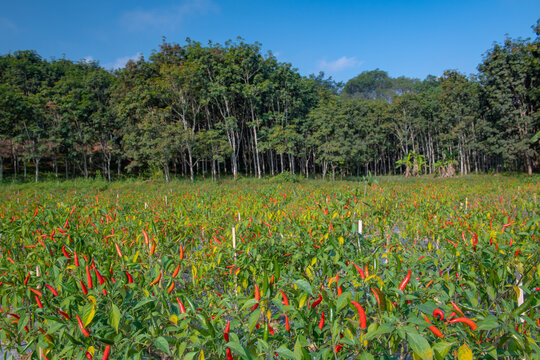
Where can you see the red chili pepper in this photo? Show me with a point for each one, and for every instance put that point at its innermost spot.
(38, 293)
(181, 252)
(285, 300)
(457, 308)
(76, 259)
(438, 314)
(106, 352)
(435, 331)
(317, 302)
(81, 326)
(182, 309)
(39, 304)
(360, 271)
(176, 271)
(287, 325)
(130, 278)
(467, 321)
(53, 290)
(257, 297)
(27, 278)
(118, 250)
(145, 237)
(433, 328)
(377, 294)
(270, 329)
(84, 289)
(321, 322)
(226, 332)
(405, 281)
(99, 277)
(89, 278)
(229, 354)
(64, 314)
(156, 279)
(361, 314)
(64, 251)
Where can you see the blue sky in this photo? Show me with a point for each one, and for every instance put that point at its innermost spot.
(341, 38)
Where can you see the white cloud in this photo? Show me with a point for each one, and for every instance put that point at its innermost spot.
(122, 61)
(341, 64)
(88, 59)
(164, 18)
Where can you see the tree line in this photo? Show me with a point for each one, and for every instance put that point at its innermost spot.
(197, 110)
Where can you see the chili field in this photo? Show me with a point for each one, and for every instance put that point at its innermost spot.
(440, 269)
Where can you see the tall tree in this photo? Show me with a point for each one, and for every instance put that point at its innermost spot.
(509, 87)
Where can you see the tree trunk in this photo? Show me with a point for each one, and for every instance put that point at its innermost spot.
(257, 160)
(55, 165)
(271, 163)
(36, 164)
(528, 163)
(85, 165)
(166, 172)
(109, 169)
(190, 160)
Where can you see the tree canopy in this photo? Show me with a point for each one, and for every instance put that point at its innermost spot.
(208, 110)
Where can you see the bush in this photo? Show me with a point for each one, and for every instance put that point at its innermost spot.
(286, 177)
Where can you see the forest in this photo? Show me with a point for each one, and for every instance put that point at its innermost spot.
(206, 111)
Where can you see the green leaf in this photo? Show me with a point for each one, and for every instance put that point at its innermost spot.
(182, 348)
(489, 323)
(114, 317)
(190, 355)
(298, 353)
(89, 311)
(143, 302)
(464, 353)
(441, 349)
(383, 329)
(238, 349)
(162, 344)
(253, 318)
(366, 356)
(249, 303)
(343, 300)
(305, 286)
(286, 353)
(420, 346)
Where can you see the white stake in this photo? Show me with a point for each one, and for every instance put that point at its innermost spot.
(360, 226)
(521, 295)
(234, 240)
(234, 247)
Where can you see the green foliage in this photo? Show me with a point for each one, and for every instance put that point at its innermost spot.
(377, 85)
(286, 177)
(470, 241)
(213, 110)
